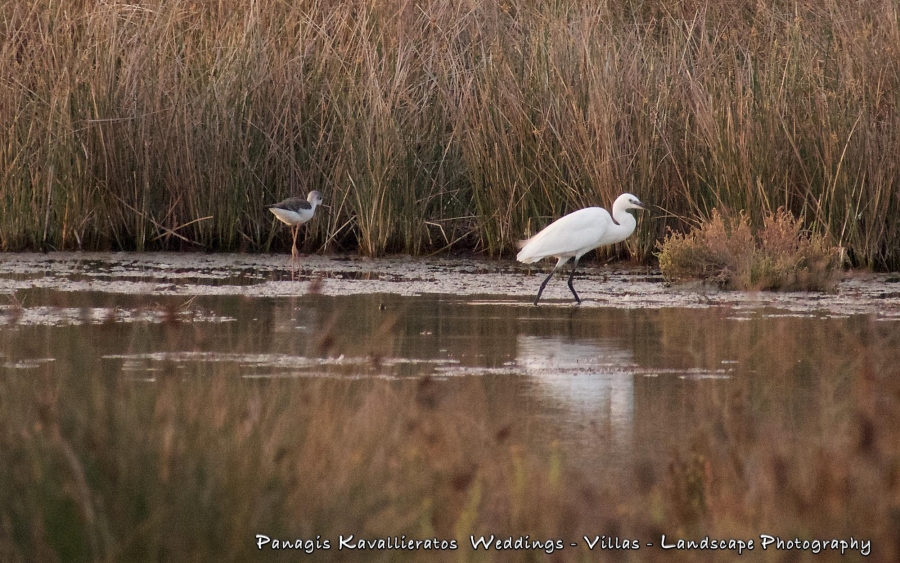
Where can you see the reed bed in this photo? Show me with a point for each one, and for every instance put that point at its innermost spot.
(442, 125)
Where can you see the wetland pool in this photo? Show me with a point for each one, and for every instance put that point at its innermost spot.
(613, 387)
(616, 378)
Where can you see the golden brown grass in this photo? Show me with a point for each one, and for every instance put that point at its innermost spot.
(97, 467)
(442, 124)
(725, 251)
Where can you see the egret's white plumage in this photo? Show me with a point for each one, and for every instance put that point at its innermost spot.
(294, 211)
(578, 233)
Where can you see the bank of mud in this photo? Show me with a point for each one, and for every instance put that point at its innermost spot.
(480, 280)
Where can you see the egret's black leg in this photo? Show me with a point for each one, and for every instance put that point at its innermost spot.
(543, 285)
(572, 275)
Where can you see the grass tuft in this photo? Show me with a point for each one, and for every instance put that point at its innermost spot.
(725, 251)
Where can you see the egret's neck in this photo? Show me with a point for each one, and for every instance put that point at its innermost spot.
(625, 224)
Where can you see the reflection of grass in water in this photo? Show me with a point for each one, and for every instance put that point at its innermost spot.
(191, 468)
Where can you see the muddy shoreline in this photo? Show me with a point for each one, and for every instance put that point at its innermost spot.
(474, 279)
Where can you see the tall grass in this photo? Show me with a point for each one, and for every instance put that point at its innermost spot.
(436, 125)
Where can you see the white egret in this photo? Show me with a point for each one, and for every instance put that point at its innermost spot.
(578, 233)
(294, 211)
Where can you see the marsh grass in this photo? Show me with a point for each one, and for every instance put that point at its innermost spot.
(190, 466)
(726, 251)
(435, 125)
(819, 475)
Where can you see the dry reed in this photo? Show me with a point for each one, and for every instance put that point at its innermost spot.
(162, 125)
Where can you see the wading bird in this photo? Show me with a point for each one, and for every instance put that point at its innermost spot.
(294, 211)
(578, 233)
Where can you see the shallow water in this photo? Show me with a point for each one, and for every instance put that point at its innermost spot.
(616, 381)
